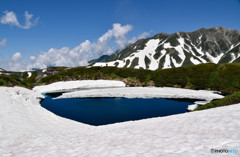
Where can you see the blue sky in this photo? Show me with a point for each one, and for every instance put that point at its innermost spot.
(66, 24)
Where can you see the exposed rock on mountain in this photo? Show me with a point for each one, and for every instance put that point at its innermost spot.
(213, 45)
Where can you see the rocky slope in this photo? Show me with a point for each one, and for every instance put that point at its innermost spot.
(213, 45)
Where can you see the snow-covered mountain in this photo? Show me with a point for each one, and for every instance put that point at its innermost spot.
(213, 45)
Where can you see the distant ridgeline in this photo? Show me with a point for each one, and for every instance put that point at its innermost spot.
(162, 51)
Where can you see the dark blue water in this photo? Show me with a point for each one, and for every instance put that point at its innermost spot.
(101, 111)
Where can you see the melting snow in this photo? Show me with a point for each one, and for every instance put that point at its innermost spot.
(167, 63)
(148, 50)
(214, 59)
(180, 51)
(144, 92)
(69, 85)
(194, 61)
(27, 129)
(192, 107)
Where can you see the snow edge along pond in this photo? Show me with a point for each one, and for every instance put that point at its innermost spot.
(27, 129)
(112, 88)
(76, 85)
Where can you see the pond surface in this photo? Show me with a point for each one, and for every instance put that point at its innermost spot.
(101, 111)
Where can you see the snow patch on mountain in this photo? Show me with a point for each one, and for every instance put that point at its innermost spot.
(167, 62)
(148, 50)
(214, 59)
(179, 49)
(194, 61)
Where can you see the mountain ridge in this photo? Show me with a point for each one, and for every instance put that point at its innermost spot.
(163, 50)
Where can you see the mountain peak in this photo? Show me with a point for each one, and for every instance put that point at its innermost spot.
(222, 28)
(212, 45)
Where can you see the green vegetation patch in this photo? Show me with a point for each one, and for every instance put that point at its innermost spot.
(220, 77)
(11, 81)
(228, 100)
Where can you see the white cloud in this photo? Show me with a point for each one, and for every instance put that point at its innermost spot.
(3, 42)
(32, 58)
(108, 43)
(81, 54)
(119, 32)
(11, 18)
(17, 56)
(16, 63)
(141, 36)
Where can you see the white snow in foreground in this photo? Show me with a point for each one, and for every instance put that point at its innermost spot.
(144, 92)
(21, 113)
(68, 85)
(29, 74)
(27, 129)
(196, 104)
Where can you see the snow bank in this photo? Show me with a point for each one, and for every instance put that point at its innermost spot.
(196, 104)
(192, 107)
(27, 129)
(144, 92)
(21, 113)
(69, 85)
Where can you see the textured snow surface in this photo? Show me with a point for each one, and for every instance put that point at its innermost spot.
(21, 113)
(192, 107)
(144, 92)
(68, 85)
(27, 130)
